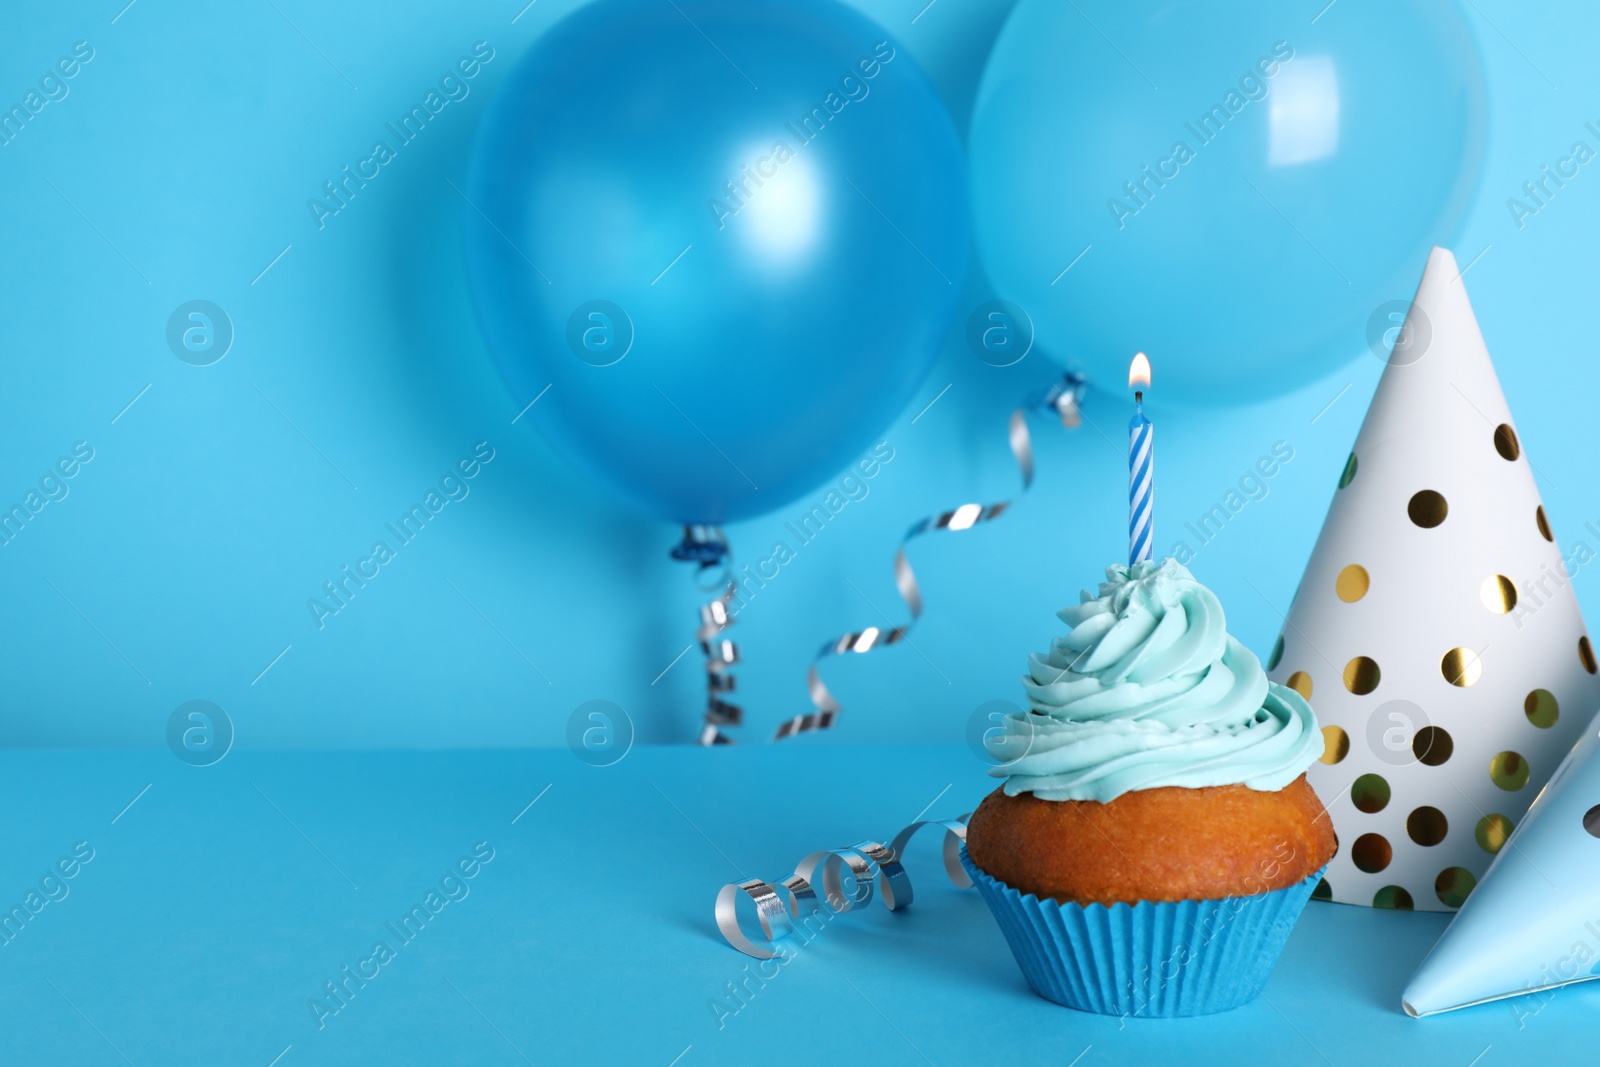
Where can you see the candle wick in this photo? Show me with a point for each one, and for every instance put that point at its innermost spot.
(1138, 396)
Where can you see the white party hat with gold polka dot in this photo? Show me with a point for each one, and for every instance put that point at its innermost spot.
(1435, 631)
(1533, 924)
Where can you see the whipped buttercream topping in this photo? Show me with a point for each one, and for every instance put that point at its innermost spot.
(1147, 689)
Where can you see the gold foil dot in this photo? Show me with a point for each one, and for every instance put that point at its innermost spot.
(1505, 442)
(1432, 745)
(1591, 821)
(1300, 682)
(1371, 853)
(1349, 474)
(1392, 896)
(1462, 667)
(1351, 585)
(1493, 830)
(1427, 509)
(1335, 744)
(1544, 523)
(1509, 771)
(1498, 594)
(1453, 885)
(1323, 891)
(1427, 825)
(1541, 708)
(1586, 654)
(1370, 793)
(1361, 676)
(1277, 654)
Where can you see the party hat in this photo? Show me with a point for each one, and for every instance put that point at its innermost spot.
(1435, 630)
(1534, 922)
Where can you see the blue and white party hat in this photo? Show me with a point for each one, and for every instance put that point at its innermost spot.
(1533, 923)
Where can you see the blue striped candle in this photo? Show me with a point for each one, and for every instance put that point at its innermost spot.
(1141, 470)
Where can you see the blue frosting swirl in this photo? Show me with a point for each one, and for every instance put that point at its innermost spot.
(1147, 689)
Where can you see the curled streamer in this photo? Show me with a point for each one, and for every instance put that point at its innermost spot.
(1063, 399)
(707, 546)
(778, 907)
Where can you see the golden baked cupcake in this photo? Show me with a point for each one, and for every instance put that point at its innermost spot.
(1155, 838)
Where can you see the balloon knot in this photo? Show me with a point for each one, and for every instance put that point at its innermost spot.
(704, 545)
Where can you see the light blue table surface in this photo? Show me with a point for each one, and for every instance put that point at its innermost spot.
(219, 901)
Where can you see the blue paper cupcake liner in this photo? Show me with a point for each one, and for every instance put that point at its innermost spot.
(1145, 960)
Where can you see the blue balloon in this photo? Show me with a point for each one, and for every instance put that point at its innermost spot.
(1240, 191)
(726, 236)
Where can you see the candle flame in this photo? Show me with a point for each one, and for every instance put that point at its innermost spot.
(1139, 372)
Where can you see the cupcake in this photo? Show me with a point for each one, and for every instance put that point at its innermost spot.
(1155, 838)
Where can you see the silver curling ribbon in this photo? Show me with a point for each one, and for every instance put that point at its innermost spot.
(707, 546)
(1063, 399)
(780, 907)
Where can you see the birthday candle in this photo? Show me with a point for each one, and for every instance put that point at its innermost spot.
(1141, 468)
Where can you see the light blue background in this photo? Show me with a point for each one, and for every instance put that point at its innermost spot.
(180, 564)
